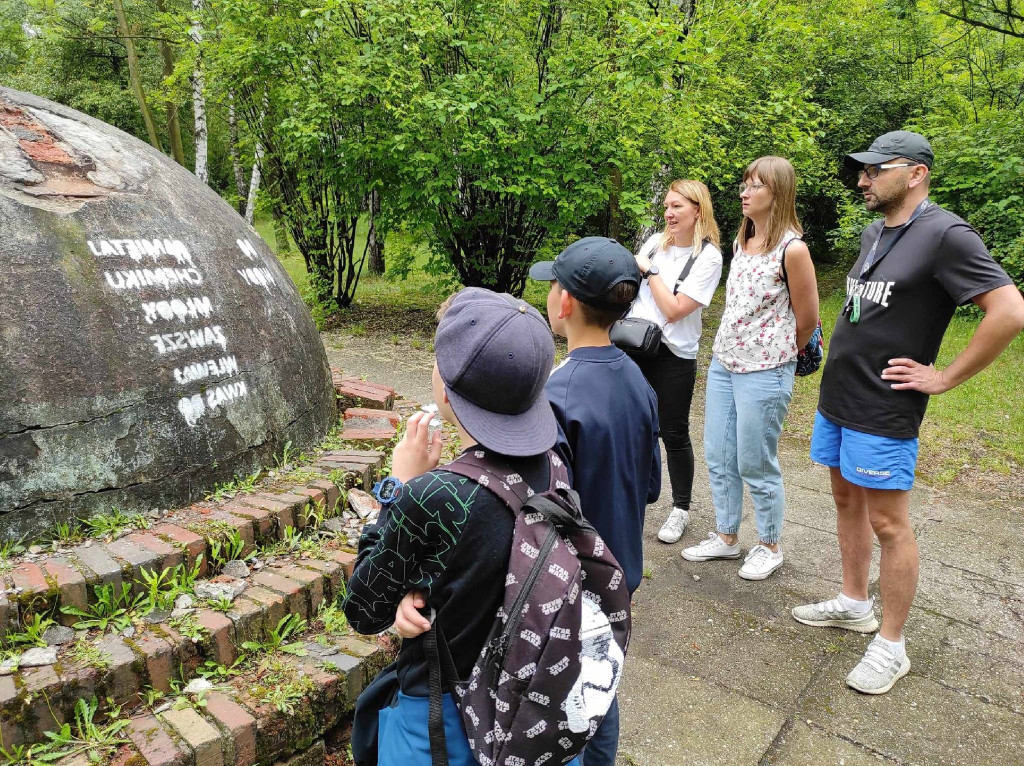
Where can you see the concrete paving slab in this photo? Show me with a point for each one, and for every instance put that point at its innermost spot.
(991, 605)
(669, 719)
(803, 745)
(919, 721)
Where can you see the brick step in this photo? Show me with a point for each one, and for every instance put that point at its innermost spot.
(36, 699)
(376, 427)
(44, 584)
(239, 725)
(353, 391)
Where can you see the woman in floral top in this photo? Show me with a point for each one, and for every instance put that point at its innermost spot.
(750, 381)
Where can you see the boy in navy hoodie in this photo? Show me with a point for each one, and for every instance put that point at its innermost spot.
(607, 412)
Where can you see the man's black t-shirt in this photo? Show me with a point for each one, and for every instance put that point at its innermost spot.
(906, 303)
(450, 538)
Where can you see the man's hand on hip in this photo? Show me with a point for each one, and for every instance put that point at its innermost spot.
(907, 374)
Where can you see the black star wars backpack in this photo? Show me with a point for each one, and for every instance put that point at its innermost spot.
(552, 663)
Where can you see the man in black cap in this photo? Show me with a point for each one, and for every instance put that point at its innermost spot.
(916, 266)
(440, 538)
(608, 414)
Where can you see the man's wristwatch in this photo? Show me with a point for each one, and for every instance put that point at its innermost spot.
(388, 490)
(650, 272)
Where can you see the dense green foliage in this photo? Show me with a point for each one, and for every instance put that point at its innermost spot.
(498, 131)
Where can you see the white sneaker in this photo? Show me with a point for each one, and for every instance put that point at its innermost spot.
(760, 562)
(712, 548)
(878, 670)
(674, 525)
(832, 614)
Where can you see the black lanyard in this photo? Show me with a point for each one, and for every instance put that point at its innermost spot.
(851, 308)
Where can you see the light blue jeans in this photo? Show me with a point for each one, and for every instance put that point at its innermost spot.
(743, 414)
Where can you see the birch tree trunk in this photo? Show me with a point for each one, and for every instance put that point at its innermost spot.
(236, 161)
(133, 72)
(254, 184)
(198, 92)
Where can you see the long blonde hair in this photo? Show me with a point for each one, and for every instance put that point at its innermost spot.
(778, 175)
(706, 226)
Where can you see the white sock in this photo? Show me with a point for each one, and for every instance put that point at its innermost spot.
(860, 608)
(899, 648)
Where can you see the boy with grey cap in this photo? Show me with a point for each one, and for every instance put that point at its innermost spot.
(441, 538)
(916, 266)
(607, 412)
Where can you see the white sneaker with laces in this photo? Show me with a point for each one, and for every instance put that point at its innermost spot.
(879, 669)
(760, 562)
(712, 548)
(674, 525)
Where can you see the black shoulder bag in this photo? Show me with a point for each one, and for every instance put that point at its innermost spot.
(641, 338)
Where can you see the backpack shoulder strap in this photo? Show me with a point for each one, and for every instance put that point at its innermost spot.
(482, 468)
(785, 276)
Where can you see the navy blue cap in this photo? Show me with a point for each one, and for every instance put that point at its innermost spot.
(898, 143)
(589, 268)
(494, 354)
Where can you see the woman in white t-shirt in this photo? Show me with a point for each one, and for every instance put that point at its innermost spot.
(681, 267)
(750, 380)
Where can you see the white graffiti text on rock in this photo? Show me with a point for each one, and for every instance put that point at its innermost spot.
(187, 339)
(137, 249)
(177, 308)
(136, 279)
(258, 277)
(213, 368)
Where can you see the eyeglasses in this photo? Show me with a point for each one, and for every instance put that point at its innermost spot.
(872, 171)
(751, 187)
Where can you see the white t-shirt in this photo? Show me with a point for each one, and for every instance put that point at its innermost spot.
(681, 336)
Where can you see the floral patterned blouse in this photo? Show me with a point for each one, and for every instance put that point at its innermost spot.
(758, 329)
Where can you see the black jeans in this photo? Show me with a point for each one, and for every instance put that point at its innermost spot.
(673, 379)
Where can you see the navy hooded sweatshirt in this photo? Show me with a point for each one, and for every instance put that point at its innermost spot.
(608, 416)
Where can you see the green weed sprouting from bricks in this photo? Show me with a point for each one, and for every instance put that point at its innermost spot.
(187, 626)
(289, 455)
(225, 549)
(150, 697)
(161, 590)
(214, 671)
(31, 634)
(238, 484)
(222, 604)
(88, 737)
(68, 533)
(288, 626)
(184, 577)
(115, 522)
(9, 548)
(113, 608)
(86, 653)
(332, 618)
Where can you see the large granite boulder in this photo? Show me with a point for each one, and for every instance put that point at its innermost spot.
(150, 343)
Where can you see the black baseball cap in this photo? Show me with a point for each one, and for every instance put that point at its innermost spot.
(589, 268)
(495, 353)
(898, 143)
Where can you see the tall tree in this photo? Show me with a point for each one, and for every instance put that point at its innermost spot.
(198, 90)
(134, 72)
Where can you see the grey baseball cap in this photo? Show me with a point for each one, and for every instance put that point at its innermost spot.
(589, 268)
(494, 354)
(898, 143)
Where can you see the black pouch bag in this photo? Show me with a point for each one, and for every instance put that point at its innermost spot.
(379, 694)
(641, 338)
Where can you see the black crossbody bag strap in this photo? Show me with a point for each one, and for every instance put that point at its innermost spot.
(785, 276)
(689, 265)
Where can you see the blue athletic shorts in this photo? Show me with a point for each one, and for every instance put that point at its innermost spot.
(875, 462)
